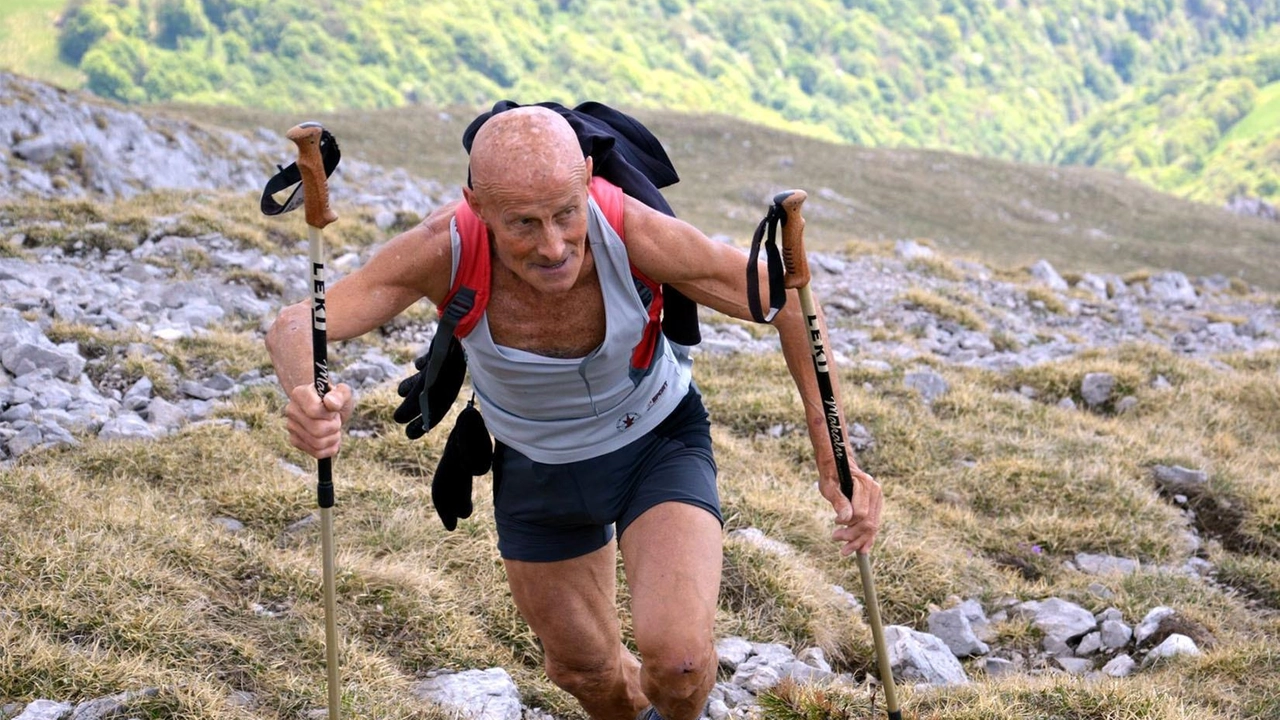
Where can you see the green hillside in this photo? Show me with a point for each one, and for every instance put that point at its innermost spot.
(1208, 133)
(985, 77)
(29, 41)
(969, 76)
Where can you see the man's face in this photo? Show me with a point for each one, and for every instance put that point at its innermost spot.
(540, 231)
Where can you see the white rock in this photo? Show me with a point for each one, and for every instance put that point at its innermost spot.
(1105, 564)
(911, 250)
(953, 628)
(1150, 623)
(1173, 646)
(474, 694)
(1115, 634)
(1074, 665)
(928, 383)
(998, 667)
(1045, 273)
(1096, 388)
(1089, 644)
(732, 651)
(126, 426)
(814, 657)
(1119, 666)
(45, 710)
(921, 657)
(1058, 619)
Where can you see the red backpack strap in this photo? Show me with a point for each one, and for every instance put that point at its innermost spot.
(610, 199)
(473, 267)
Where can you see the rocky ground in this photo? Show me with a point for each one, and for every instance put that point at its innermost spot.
(75, 323)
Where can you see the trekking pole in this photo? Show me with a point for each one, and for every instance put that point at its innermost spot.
(315, 189)
(797, 277)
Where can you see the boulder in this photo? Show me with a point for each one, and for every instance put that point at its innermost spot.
(921, 657)
(473, 694)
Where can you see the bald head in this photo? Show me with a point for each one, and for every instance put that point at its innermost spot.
(526, 148)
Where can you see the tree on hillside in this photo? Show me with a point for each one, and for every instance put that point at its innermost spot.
(83, 23)
(177, 19)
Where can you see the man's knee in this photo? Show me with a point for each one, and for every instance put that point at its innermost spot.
(679, 668)
(585, 676)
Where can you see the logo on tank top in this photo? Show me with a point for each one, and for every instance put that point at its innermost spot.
(653, 400)
(626, 421)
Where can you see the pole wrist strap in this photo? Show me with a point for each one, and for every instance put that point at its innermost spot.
(777, 290)
(291, 176)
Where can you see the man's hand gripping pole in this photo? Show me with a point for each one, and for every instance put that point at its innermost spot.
(797, 278)
(315, 188)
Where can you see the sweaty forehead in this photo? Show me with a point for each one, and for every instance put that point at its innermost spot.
(527, 145)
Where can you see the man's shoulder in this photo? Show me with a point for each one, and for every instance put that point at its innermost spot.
(438, 223)
(422, 256)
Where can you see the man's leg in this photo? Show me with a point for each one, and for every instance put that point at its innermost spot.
(571, 605)
(672, 554)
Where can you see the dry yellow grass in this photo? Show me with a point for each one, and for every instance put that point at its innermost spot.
(945, 308)
(125, 579)
(128, 580)
(117, 573)
(124, 224)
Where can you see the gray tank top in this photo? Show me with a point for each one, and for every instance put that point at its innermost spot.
(558, 410)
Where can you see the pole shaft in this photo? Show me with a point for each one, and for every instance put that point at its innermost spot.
(315, 194)
(330, 613)
(324, 468)
(320, 354)
(877, 637)
(822, 368)
(826, 389)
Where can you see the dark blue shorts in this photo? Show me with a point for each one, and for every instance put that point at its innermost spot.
(557, 512)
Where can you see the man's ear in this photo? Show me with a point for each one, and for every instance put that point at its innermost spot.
(473, 202)
(590, 162)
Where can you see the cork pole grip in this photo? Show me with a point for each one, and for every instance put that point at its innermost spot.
(793, 257)
(315, 187)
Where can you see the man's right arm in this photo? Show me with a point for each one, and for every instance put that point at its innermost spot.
(413, 265)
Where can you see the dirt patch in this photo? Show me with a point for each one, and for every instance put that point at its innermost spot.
(1179, 625)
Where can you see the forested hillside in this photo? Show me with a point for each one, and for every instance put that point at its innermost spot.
(1210, 132)
(991, 77)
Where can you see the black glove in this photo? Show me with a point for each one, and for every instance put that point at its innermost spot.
(440, 395)
(468, 452)
(451, 488)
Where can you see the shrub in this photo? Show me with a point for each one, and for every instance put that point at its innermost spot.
(84, 24)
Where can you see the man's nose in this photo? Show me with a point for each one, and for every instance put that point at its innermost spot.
(551, 244)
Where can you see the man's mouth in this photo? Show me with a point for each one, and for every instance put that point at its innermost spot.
(552, 266)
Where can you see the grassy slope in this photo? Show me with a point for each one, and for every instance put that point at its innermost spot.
(1264, 117)
(1004, 213)
(128, 581)
(29, 44)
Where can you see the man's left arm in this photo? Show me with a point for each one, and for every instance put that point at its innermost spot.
(713, 274)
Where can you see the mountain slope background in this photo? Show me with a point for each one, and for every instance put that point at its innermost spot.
(987, 77)
(170, 563)
(995, 211)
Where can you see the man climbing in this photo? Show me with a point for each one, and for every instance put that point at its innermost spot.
(584, 445)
